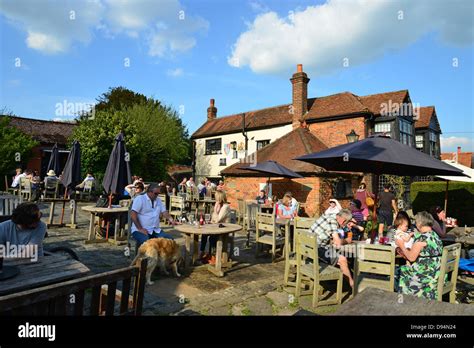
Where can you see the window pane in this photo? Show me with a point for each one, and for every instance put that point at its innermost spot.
(382, 127)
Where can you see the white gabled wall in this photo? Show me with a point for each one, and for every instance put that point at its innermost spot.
(208, 165)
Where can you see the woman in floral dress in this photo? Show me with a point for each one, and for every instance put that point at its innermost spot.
(420, 278)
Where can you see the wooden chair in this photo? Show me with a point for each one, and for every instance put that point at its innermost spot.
(241, 212)
(51, 188)
(176, 206)
(25, 189)
(250, 223)
(56, 299)
(8, 189)
(449, 272)
(308, 266)
(267, 233)
(300, 223)
(374, 267)
(8, 203)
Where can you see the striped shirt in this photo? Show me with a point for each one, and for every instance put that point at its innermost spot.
(324, 227)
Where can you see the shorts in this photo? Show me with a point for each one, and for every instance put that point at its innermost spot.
(386, 218)
(328, 255)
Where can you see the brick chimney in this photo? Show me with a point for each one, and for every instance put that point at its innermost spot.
(211, 111)
(299, 82)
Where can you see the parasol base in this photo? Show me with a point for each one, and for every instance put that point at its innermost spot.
(8, 272)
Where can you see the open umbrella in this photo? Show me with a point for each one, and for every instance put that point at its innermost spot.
(273, 169)
(117, 175)
(53, 163)
(72, 171)
(380, 155)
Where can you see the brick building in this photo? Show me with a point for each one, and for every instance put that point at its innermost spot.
(47, 133)
(222, 143)
(464, 158)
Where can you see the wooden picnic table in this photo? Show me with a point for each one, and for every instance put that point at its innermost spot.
(46, 270)
(52, 202)
(372, 301)
(223, 261)
(119, 237)
(208, 203)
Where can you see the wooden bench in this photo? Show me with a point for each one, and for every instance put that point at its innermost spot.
(68, 298)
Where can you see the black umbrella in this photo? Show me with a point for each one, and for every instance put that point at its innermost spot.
(72, 171)
(54, 160)
(117, 175)
(380, 155)
(72, 168)
(273, 169)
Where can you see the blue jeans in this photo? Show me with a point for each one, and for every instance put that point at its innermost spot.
(141, 238)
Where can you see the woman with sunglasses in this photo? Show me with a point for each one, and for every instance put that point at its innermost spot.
(439, 224)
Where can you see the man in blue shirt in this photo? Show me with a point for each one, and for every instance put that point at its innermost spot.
(24, 229)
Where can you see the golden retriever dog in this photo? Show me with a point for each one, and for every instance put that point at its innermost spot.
(160, 252)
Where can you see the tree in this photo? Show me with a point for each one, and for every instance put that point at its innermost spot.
(119, 98)
(15, 147)
(155, 137)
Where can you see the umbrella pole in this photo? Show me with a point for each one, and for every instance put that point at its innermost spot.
(64, 204)
(375, 227)
(446, 198)
(108, 221)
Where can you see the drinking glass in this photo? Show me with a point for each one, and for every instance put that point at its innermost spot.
(207, 218)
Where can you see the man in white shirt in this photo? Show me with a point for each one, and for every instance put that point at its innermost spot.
(18, 176)
(145, 215)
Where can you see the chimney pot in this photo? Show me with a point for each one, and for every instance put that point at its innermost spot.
(212, 102)
(211, 111)
(299, 68)
(299, 82)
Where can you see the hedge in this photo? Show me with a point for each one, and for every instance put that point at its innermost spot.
(460, 199)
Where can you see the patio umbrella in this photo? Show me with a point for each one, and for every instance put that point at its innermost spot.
(72, 171)
(273, 169)
(117, 175)
(380, 155)
(54, 160)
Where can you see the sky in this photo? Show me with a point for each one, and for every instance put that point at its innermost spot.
(57, 56)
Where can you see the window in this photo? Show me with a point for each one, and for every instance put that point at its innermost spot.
(342, 189)
(433, 144)
(222, 162)
(406, 132)
(383, 127)
(419, 142)
(214, 146)
(262, 144)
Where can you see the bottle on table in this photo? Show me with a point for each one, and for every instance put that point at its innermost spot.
(201, 221)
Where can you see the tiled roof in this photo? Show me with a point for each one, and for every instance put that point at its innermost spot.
(296, 143)
(48, 132)
(340, 104)
(425, 117)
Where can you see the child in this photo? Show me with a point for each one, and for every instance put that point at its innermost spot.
(401, 224)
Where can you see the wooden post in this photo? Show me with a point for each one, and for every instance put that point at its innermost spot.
(51, 212)
(446, 198)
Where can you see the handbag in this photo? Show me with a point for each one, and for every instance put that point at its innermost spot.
(369, 201)
(102, 202)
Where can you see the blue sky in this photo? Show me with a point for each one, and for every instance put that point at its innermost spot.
(242, 53)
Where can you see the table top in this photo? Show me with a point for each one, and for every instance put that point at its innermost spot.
(373, 301)
(211, 229)
(94, 209)
(45, 271)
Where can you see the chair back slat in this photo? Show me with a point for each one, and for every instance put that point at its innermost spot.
(304, 223)
(449, 271)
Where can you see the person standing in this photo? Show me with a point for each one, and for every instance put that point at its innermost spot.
(362, 194)
(387, 208)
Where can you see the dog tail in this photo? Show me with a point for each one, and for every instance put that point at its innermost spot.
(140, 253)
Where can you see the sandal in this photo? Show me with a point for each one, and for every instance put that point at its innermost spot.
(212, 261)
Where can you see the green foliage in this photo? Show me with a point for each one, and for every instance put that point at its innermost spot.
(13, 142)
(460, 199)
(398, 184)
(120, 98)
(155, 137)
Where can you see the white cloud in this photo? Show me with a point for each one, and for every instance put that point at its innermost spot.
(52, 27)
(257, 6)
(450, 144)
(321, 36)
(175, 72)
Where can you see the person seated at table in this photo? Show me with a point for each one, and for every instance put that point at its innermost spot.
(327, 229)
(356, 210)
(293, 203)
(334, 207)
(89, 177)
(420, 278)
(51, 178)
(439, 223)
(353, 231)
(220, 214)
(135, 189)
(17, 177)
(221, 186)
(182, 185)
(145, 215)
(24, 228)
(401, 230)
(285, 210)
(262, 197)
